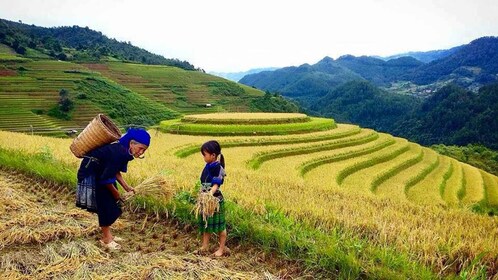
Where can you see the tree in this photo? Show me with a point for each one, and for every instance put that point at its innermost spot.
(65, 104)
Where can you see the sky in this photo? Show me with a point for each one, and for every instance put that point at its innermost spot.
(233, 35)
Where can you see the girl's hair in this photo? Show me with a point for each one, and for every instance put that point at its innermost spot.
(213, 147)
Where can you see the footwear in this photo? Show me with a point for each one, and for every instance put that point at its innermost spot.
(118, 239)
(111, 245)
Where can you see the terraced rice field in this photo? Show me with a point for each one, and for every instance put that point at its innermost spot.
(240, 124)
(34, 87)
(376, 187)
(186, 92)
(29, 88)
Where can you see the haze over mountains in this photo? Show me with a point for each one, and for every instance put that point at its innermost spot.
(236, 76)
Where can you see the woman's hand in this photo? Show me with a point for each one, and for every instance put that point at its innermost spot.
(130, 189)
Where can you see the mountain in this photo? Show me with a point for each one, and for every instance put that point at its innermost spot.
(469, 66)
(361, 102)
(76, 44)
(236, 76)
(308, 81)
(376, 70)
(454, 116)
(305, 80)
(425, 56)
(451, 116)
(477, 60)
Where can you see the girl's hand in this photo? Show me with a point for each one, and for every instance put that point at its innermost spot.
(130, 189)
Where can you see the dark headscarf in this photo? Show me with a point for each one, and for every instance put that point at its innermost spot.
(137, 134)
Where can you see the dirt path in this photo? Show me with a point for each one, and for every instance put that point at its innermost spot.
(44, 236)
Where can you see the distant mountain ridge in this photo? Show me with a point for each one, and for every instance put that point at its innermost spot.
(471, 65)
(478, 59)
(425, 56)
(236, 76)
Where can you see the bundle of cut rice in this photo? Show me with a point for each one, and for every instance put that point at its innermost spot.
(156, 186)
(206, 206)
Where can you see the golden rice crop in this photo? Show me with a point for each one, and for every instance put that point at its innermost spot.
(157, 186)
(206, 206)
(443, 238)
(244, 116)
(474, 185)
(454, 184)
(427, 190)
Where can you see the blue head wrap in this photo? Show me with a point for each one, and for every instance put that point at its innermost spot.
(137, 134)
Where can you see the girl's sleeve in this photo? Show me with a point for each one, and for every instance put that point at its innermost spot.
(218, 174)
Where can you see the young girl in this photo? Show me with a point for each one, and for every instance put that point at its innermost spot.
(211, 181)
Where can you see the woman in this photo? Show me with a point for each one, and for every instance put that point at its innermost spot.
(99, 171)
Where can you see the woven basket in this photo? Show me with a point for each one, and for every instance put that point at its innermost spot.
(100, 131)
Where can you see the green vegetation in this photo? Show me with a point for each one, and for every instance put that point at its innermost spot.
(454, 116)
(62, 109)
(190, 92)
(76, 44)
(475, 155)
(225, 88)
(41, 166)
(134, 94)
(307, 166)
(179, 127)
(274, 102)
(123, 105)
(360, 102)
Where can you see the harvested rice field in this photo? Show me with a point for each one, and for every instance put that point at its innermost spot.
(44, 236)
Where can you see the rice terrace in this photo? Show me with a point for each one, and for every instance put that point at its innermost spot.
(339, 200)
(306, 197)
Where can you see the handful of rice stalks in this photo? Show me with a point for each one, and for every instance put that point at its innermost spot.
(206, 206)
(157, 186)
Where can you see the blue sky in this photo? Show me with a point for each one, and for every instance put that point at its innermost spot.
(232, 35)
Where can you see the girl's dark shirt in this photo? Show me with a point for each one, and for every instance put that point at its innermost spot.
(213, 173)
(105, 162)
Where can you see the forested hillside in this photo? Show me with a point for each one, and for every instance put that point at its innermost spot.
(76, 44)
(477, 61)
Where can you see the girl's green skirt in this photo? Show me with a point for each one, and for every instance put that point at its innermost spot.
(216, 223)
